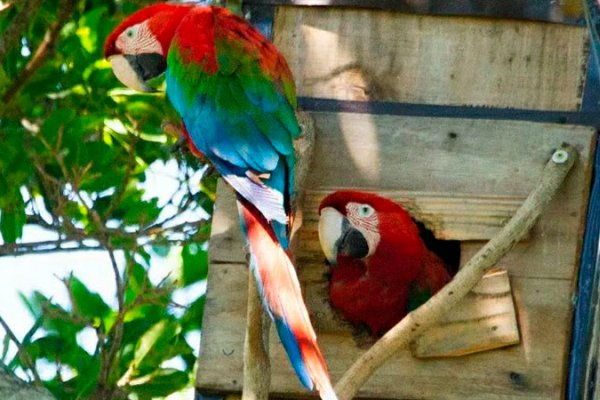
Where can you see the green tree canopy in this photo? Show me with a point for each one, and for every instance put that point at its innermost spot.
(77, 151)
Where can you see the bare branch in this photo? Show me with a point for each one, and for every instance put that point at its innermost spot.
(117, 275)
(429, 313)
(74, 240)
(21, 352)
(42, 247)
(118, 196)
(108, 356)
(65, 8)
(257, 367)
(11, 35)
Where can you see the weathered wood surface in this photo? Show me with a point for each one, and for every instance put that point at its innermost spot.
(484, 319)
(450, 216)
(416, 156)
(353, 54)
(532, 370)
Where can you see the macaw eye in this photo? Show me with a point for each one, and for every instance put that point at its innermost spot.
(365, 210)
(130, 33)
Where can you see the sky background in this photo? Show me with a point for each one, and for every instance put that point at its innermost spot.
(43, 272)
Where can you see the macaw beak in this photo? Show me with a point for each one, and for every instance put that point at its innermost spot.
(339, 237)
(134, 70)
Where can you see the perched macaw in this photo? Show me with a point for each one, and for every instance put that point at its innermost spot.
(381, 268)
(235, 94)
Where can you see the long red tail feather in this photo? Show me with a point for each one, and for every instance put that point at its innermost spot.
(282, 297)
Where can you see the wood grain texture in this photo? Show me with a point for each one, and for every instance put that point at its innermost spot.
(450, 216)
(528, 371)
(416, 156)
(485, 319)
(353, 54)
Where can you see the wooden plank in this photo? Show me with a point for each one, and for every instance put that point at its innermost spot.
(450, 216)
(353, 54)
(421, 157)
(480, 157)
(528, 371)
(476, 157)
(485, 319)
(226, 240)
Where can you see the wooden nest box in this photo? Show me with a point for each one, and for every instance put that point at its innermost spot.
(463, 178)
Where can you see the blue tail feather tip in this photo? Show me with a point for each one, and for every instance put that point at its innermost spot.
(293, 351)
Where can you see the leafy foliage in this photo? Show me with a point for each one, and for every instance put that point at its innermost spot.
(78, 150)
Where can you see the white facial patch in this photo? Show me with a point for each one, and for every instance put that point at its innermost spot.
(138, 39)
(364, 219)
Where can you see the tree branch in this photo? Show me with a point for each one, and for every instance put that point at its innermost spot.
(118, 195)
(11, 35)
(108, 357)
(257, 368)
(429, 313)
(21, 352)
(68, 244)
(65, 8)
(46, 246)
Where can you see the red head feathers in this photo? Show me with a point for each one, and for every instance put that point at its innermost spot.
(380, 261)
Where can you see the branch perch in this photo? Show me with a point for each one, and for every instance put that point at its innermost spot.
(429, 313)
(13, 33)
(257, 368)
(22, 352)
(43, 50)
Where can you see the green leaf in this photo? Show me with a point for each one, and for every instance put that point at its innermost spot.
(88, 28)
(55, 122)
(208, 186)
(161, 382)
(12, 221)
(138, 282)
(51, 347)
(153, 347)
(54, 318)
(194, 264)
(3, 79)
(29, 335)
(5, 346)
(192, 317)
(86, 303)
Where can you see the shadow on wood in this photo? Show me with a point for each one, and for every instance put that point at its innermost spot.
(417, 157)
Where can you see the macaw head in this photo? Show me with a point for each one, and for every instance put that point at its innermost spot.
(137, 48)
(360, 225)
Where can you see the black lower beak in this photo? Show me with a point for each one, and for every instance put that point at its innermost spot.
(148, 65)
(352, 243)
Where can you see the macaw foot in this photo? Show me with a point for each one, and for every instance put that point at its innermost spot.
(172, 129)
(257, 178)
(184, 142)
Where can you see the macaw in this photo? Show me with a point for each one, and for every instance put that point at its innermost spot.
(236, 96)
(381, 268)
